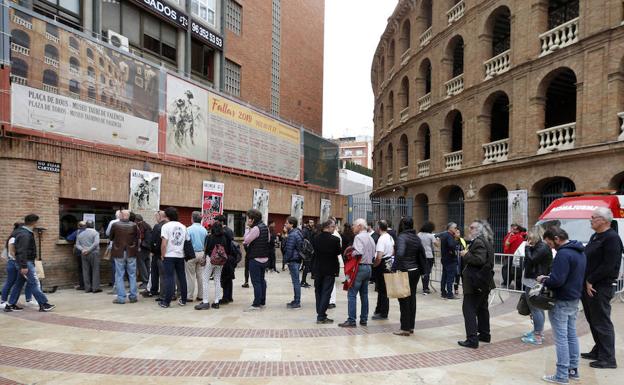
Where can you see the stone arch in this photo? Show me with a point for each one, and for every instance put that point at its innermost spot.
(558, 88)
(390, 158)
(391, 54)
(406, 36)
(493, 207)
(454, 55)
(551, 188)
(617, 183)
(421, 210)
(454, 125)
(497, 30)
(404, 93)
(403, 151)
(496, 109)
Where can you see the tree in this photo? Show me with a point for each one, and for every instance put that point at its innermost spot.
(359, 169)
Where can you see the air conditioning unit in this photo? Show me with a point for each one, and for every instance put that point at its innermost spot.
(118, 40)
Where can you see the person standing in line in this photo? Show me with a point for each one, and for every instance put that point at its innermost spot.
(566, 282)
(429, 242)
(332, 298)
(110, 247)
(193, 268)
(511, 242)
(77, 254)
(383, 259)
(156, 266)
(257, 241)
(173, 235)
(461, 246)
(217, 243)
(282, 243)
(325, 268)
(88, 244)
(143, 259)
(25, 255)
(125, 237)
(537, 261)
(478, 278)
(364, 247)
(604, 257)
(448, 252)
(273, 241)
(411, 258)
(229, 269)
(309, 232)
(292, 258)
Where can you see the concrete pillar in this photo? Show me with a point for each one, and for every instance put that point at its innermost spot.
(181, 51)
(538, 23)
(87, 16)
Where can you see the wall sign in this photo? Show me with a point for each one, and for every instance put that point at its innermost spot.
(49, 166)
(206, 35)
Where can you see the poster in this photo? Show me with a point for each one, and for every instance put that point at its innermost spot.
(187, 134)
(212, 201)
(86, 217)
(69, 85)
(325, 210)
(261, 203)
(518, 208)
(296, 208)
(144, 194)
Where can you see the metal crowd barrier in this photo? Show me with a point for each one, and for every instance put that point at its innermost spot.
(619, 291)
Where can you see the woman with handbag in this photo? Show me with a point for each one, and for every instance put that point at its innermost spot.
(410, 258)
(537, 261)
(216, 256)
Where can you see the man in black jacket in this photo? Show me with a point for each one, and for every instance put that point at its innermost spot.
(156, 265)
(25, 255)
(227, 274)
(604, 256)
(325, 268)
(410, 257)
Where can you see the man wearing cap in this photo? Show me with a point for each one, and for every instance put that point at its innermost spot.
(88, 245)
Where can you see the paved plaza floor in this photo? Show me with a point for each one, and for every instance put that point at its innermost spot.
(89, 340)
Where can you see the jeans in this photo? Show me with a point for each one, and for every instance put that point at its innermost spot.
(246, 269)
(143, 265)
(293, 267)
(256, 273)
(173, 266)
(32, 285)
(448, 278)
(408, 304)
(323, 287)
(563, 321)
(12, 273)
(598, 314)
(425, 277)
(121, 266)
(360, 285)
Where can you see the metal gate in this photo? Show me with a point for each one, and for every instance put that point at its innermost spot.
(375, 209)
(497, 216)
(555, 190)
(455, 207)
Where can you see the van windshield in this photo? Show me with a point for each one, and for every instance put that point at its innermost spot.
(577, 229)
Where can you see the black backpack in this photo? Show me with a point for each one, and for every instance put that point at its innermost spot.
(235, 251)
(306, 251)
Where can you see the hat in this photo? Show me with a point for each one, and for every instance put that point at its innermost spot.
(82, 224)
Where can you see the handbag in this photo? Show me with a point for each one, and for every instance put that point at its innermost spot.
(397, 284)
(523, 305)
(39, 269)
(541, 297)
(107, 253)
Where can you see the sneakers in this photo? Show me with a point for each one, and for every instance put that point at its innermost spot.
(573, 374)
(202, 306)
(528, 334)
(9, 308)
(363, 323)
(46, 307)
(325, 321)
(163, 305)
(347, 324)
(305, 285)
(181, 302)
(402, 333)
(533, 339)
(554, 380)
(32, 302)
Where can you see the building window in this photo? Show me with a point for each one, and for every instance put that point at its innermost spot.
(202, 60)
(159, 38)
(359, 152)
(276, 37)
(232, 78)
(72, 211)
(205, 10)
(67, 12)
(233, 16)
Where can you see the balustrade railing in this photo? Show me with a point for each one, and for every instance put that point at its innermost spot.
(404, 114)
(453, 161)
(424, 168)
(424, 102)
(556, 138)
(20, 49)
(403, 173)
(49, 88)
(51, 61)
(19, 80)
(496, 151)
(455, 85)
(52, 38)
(426, 37)
(560, 36)
(497, 65)
(456, 12)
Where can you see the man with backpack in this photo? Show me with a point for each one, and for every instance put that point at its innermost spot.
(234, 257)
(293, 258)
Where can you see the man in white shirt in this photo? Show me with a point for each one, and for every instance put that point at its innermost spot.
(384, 257)
(173, 235)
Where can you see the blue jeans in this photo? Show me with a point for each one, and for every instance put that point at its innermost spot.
(256, 273)
(538, 319)
(12, 273)
(563, 321)
(448, 278)
(121, 266)
(32, 285)
(293, 267)
(359, 286)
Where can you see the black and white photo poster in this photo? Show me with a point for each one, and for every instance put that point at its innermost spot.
(144, 194)
(325, 210)
(518, 201)
(296, 208)
(261, 203)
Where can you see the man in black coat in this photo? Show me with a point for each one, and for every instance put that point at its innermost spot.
(325, 268)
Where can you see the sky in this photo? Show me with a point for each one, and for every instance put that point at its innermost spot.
(352, 31)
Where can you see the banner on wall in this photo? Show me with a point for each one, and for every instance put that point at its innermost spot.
(296, 208)
(325, 210)
(518, 203)
(212, 201)
(261, 203)
(78, 88)
(144, 194)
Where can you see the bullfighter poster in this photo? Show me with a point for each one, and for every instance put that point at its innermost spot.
(261, 203)
(212, 201)
(518, 212)
(144, 194)
(325, 209)
(296, 208)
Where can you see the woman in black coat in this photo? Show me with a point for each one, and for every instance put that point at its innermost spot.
(325, 268)
(411, 258)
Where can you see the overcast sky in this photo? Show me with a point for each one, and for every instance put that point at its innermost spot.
(352, 32)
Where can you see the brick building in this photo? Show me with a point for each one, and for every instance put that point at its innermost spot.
(474, 99)
(94, 111)
(357, 150)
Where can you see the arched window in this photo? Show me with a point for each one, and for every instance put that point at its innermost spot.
(390, 107)
(497, 215)
(561, 11)
(74, 86)
(458, 56)
(73, 43)
(561, 99)
(381, 118)
(51, 52)
(382, 67)
(50, 78)
(391, 54)
(90, 53)
(457, 132)
(74, 64)
(20, 38)
(499, 118)
(455, 207)
(554, 190)
(500, 29)
(424, 136)
(91, 92)
(19, 68)
(404, 93)
(390, 159)
(406, 33)
(91, 72)
(404, 151)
